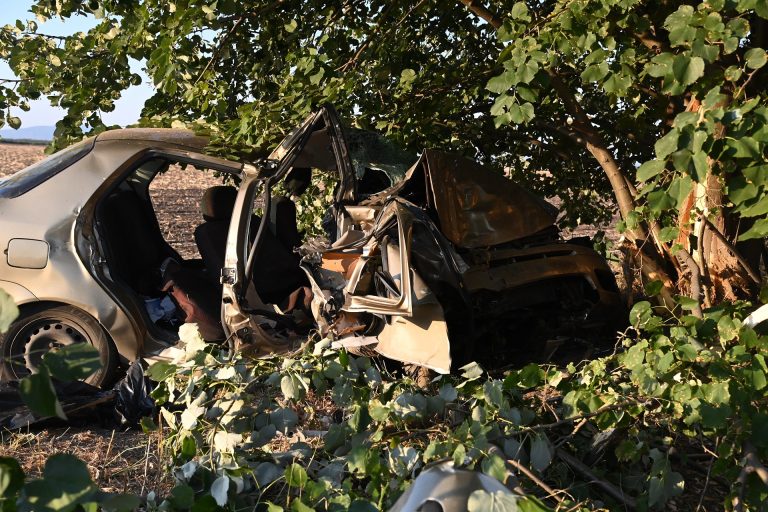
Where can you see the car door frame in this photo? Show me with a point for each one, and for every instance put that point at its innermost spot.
(239, 298)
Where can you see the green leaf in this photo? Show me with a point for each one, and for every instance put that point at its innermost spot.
(531, 375)
(521, 114)
(296, 476)
(668, 234)
(471, 371)
(459, 454)
(661, 65)
(659, 201)
(123, 503)
(360, 505)
(519, 11)
(219, 489)
(502, 82)
(541, 455)
(11, 478)
(745, 147)
(755, 58)
(65, 483)
(679, 189)
(667, 144)
(727, 328)
(649, 169)
(687, 303)
(497, 501)
(687, 69)
(652, 288)
(8, 311)
(407, 76)
(37, 392)
(758, 230)
(161, 370)
(595, 72)
(182, 497)
(73, 362)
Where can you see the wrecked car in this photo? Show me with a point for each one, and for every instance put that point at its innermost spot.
(430, 260)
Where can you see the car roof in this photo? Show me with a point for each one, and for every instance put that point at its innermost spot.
(174, 136)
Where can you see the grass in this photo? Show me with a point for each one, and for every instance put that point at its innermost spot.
(119, 461)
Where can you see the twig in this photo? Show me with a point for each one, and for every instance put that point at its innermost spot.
(220, 46)
(146, 466)
(693, 269)
(109, 447)
(608, 487)
(533, 478)
(479, 10)
(750, 271)
(605, 408)
(218, 50)
(706, 484)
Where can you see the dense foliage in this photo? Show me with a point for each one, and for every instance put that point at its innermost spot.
(324, 430)
(657, 109)
(569, 96)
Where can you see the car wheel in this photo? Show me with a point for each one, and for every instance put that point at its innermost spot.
(32, 335)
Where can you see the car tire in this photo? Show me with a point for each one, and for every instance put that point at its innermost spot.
(38, 331)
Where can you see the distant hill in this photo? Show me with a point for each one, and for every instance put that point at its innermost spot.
(41, 133)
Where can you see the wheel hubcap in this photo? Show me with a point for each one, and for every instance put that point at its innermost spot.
(36, 339)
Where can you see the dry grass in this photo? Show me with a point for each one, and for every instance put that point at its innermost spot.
(125, 462)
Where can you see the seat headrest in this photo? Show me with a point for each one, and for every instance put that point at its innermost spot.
(218, 202)
(298, 180)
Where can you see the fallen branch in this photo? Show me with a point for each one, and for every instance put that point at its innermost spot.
(585, 470)
(533, 478)
(565, 421)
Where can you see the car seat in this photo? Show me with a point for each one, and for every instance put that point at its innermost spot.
(276, 271)
(137, 248)
(282, 213)
(211, 236)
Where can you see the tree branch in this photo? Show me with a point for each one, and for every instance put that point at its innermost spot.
(533, 478)
(585, 470)
(479, 10)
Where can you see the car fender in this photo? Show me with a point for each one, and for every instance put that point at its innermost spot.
(18, 293)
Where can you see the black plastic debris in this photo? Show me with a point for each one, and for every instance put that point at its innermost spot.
(83, 404)
(132, 397)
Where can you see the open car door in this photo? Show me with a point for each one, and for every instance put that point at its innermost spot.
(317, 143)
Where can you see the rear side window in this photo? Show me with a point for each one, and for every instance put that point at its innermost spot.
(27, 179)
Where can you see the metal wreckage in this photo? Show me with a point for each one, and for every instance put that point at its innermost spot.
(430, 260)
(449, 264)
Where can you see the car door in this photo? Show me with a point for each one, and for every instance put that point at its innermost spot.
(317, 142)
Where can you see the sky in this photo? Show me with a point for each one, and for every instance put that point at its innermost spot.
(41, 113)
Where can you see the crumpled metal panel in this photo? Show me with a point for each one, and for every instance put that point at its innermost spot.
(480, 208)
(447, 487)
(476, 206)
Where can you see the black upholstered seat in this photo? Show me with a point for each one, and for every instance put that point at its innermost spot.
(276, 271)
(137, 248)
